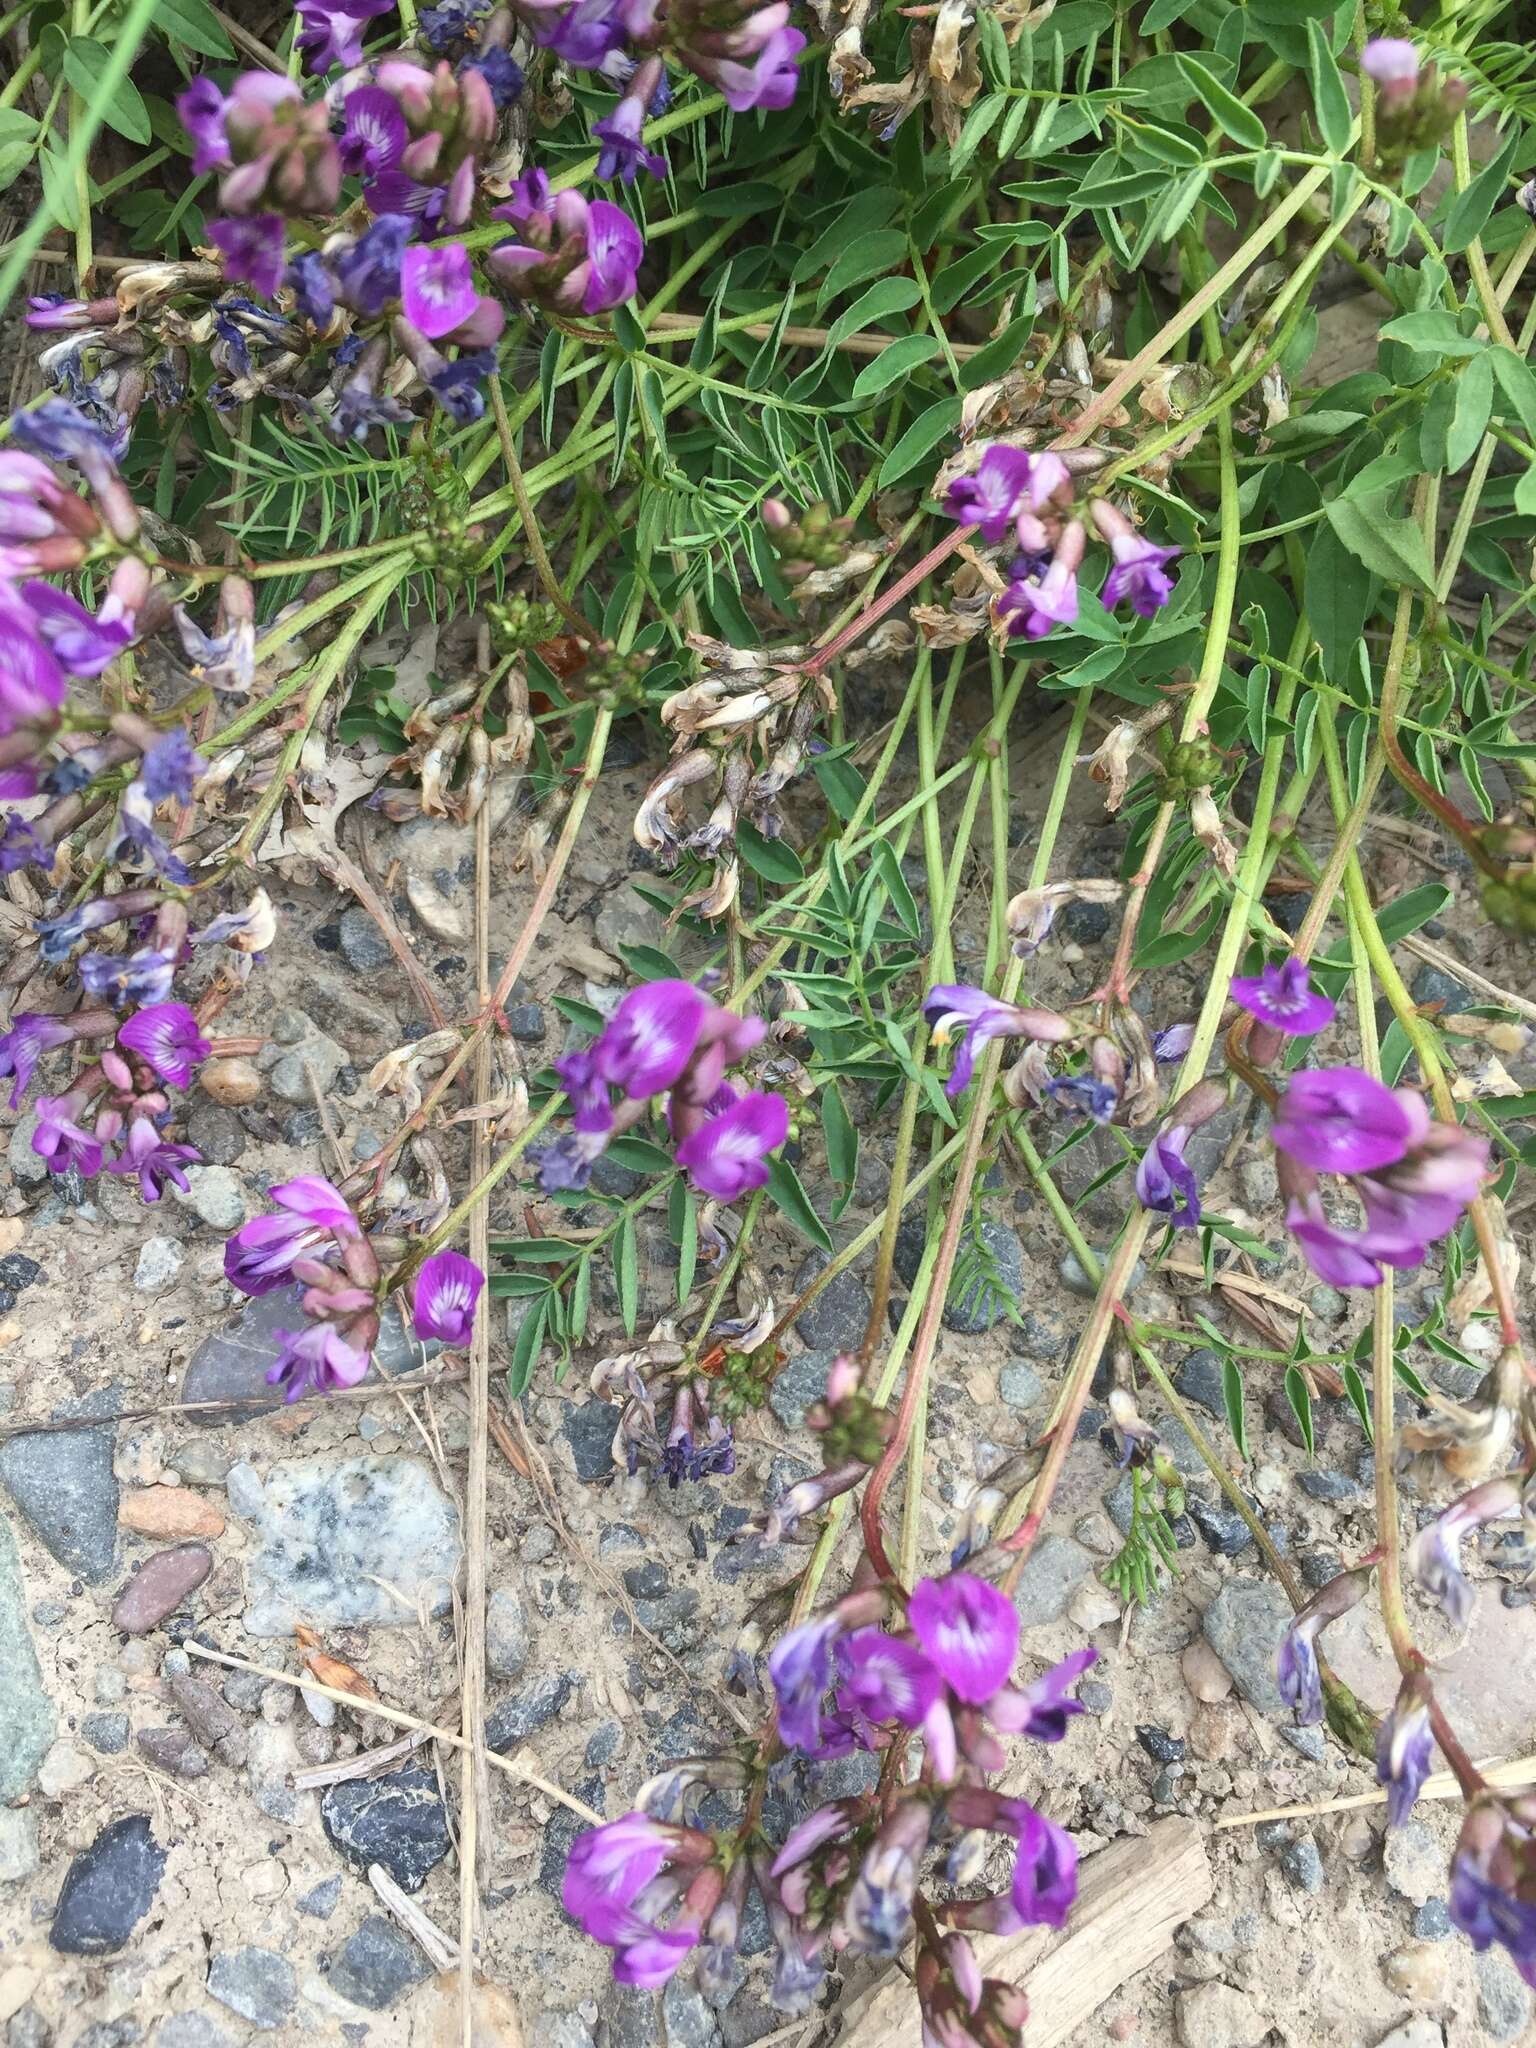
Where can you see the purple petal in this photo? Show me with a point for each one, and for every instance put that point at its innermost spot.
(969, 1629)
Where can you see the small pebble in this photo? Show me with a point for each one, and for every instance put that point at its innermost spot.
(159, 1586)
(229, 1081)
(1162, 1747)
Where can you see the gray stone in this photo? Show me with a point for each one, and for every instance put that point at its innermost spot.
(525, 1021)
(28, 2029)
(26, 1712)
(159, 1586)
(62, 1480)
(1503, 2002)
(798, 1383)
(363, 945)
(1303, 1865)
(1432, 1922)
(588, 1429)
(27, 1169)
(397, 1820)
(254, 1983)
(191, 2030)
(1259, 1182)
(377, 1965)
(1199, 1379)
(159, 1262)
(1222, 1527)
(302, 1062)
(320, 1901)
(215, 1197)
(1020, 1385)
(564, 2030)
(342, 1541)
(506, 1632)
(534, 1704)
(687, 2021)
(1319, 1567)
(18, 1843)
(1434, 985)
(233, 1363)
(631, 2018)
(837, 1319)
(1327, 1303)
(1413, 1862)
(173, 1750)
(217, 1132)
(108, 1889)
(1419, 2033)
(1075, 1279)
(1328, 1485)
(397, 1348)
(106, 1732)
(1243, 1625)
(1309, 1742)
(1042, 1333)
(1218, 2016)
(1057, 1567)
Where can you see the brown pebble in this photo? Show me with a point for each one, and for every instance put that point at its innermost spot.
(1419, 1970)
(170, 1511)
(1211, 1733)
(229, 1081)
(208, 1714)
(158, 1587)
(173, 1750)
(1204, 1673)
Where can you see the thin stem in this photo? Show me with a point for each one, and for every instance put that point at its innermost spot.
(532, 538)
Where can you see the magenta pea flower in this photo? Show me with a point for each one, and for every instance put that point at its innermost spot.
(447, 1289)
(1165, 1180)
(200, 110)
(32, 684)
(1392, 63)
(155, 1160)
(1434, 1556)
(989, 497)
(170, 768)
(881, 1678)
(1296, 1669)
(1490, 1897)
(29, 1037)
(1033, 603)
(769, 81)
(1342, 1120)
(800, 1671)
(252, 247)
(1344, 1258)
(1282, 997)
(956, 1010)
(969, 1629)
(1045, 1873)
(316, 1359)
(728, 1155)
(166, 1036)
(84, 642)
(262, 1253)
(1042, 1709)
(373, 134)
(333, 34)
(1139, 575)
(60, 1140)
(650, 1038)
(608, 1867)
(437, 288)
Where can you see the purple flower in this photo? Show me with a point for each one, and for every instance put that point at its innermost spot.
(314, 295)
(1342, 1258)
(136, 834)
(989, 497)
(1391, 61)
(261, 1254)
(456, 386)
(1404, 1746)
(955, 1009)
(1045, 1874)
(368, 273)
(728, 1155)
(333, 34)
(800, 1670)
(32, 684)
(608, 1868)
(447, 1288)
(881, 1678)
(170, 767)
(614, 250)
(877, 1914)
(1340, 1120)
(59, 1141)
(21, 846)
(1283, 998)
(437, 289)
(58, 935)
(1493, 1879)
(623, 154)
(29, 1037)
(61, 432)
(768, 81)
(1036, 603)
(1296, 1670)
(252, 247)
(144, 976)
(650, 1038)
(154, 1159)
(166, 1037)
(1042, 1709)
(1434, 1556)
(969, 1629)
(316, 1359)
(35, 505)
(1138, 574)
(85, 643)
(200, 110)
(501, 72)
(1172, 1043)
(1085, 1094)
(374, 133)
(1165, 1180)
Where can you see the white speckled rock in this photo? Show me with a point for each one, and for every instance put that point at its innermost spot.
(340, 1541)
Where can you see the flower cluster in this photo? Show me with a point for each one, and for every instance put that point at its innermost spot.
(317, 1242)
(668, 1038)
(1415, 107)
(848, 1874)
(1027, 496)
